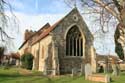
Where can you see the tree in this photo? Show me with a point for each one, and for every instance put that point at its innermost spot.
(27, 60)
(106, 10)
(8, 24)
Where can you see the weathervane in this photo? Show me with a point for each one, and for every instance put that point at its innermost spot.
(75, 3)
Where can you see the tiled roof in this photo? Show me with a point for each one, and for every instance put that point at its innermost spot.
(15, 55)
(45, 32)
(48, 30)
(38, 32)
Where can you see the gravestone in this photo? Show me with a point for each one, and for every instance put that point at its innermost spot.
(115, 70)
(82, 69)
(88, 70)
(74, 72)
(107, 78)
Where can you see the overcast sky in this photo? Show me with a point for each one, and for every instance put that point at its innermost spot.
(33, 14)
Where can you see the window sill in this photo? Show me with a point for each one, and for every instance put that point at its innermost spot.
(73, 57)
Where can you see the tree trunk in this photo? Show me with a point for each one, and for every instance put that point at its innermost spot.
(119, 38)
(119, 35)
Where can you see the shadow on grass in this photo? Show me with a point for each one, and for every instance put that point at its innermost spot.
(122, 73)
(67, 79)
(5, 77)
(10, 75)
(14, 77)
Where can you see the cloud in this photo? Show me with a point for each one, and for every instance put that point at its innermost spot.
(33, 22)
(17, 4)
(38, 6)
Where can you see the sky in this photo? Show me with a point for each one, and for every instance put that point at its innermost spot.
(33, 14)
(39, 6)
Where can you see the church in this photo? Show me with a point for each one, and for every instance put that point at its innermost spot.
(61, 47)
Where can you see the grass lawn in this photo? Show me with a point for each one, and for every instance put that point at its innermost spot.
(16, 75)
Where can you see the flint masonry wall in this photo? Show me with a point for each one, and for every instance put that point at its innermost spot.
(67, 63)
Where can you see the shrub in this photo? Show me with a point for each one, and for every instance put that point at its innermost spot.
(27, 60)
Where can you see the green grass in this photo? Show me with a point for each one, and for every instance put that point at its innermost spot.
(119, 79)
(14, 75)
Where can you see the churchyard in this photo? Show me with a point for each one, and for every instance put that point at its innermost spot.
(18, 75)
(84, 45)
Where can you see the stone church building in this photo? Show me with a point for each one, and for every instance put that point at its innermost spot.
(62, 47)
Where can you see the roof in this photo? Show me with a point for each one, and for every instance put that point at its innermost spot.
(45, 32)
(23, 44)
(15, 55)
(48, 30)
(45, 26)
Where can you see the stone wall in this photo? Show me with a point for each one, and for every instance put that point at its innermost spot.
(50, 52)
(28, 34)
(59, 37)
(70, 63)
(22, 50)
(35, 49)
(40, 50)
(93, 60)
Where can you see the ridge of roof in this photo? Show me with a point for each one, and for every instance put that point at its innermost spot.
(48, 30)
(44, 26)
(44, 34)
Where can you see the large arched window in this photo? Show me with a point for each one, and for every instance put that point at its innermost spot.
(74, 42)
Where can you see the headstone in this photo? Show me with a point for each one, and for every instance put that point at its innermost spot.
(88, 70)
(82, 69)
(74, 72)
(107, 78)
(115, 70)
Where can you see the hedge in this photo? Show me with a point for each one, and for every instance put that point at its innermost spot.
(27, 61)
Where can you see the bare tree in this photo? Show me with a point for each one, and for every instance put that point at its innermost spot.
(107, 11)
(8, 24)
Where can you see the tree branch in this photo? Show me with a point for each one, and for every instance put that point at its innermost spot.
(119, 7)
(110, 10)
(3, 33)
